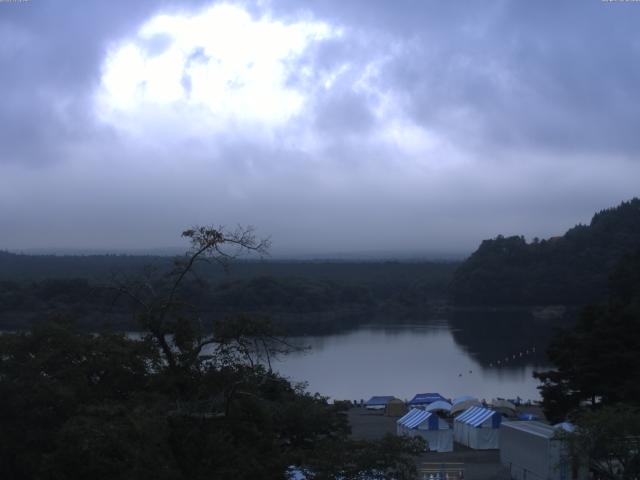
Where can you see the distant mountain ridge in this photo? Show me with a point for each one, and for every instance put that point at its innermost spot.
(572, 269)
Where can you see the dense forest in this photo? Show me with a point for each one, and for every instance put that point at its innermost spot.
(572, 269)
(303, 297)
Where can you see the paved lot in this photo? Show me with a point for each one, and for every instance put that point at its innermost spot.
(477, 464)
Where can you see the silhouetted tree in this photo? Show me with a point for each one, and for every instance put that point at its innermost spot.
(598, 360)
(181, 403)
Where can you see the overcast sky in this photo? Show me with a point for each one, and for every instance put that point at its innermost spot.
(330, 125)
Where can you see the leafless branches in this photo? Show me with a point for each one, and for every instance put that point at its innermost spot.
(175, 325)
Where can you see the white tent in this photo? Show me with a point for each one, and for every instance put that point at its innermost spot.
(464, 405)
(505, 407)
(440, 405)
(531, 451)
(477, 428)
(462, 398)
(435, 431)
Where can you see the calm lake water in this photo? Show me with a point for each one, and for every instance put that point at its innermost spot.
(486, 355)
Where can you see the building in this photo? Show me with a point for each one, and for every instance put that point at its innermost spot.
(533, 451)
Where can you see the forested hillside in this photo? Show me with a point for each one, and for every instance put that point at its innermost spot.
(572, 269)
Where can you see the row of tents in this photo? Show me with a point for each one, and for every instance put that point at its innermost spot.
(434, 402)
(529, 449)
(477, 428)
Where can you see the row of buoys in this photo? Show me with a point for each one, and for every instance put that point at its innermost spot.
(528, 351)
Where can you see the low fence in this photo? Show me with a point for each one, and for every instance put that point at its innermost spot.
(441, 471)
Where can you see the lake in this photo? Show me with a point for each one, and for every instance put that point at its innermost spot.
(484, 354)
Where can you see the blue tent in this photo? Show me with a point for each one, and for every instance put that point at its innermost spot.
(426, 398)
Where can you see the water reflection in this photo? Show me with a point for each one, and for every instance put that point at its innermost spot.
(499, 339)
(454, 356)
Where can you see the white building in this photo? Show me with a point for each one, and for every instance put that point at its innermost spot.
(533, 451)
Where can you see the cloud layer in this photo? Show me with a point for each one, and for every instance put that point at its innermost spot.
(332, 126)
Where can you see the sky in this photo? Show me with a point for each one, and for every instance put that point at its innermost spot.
(331, 126)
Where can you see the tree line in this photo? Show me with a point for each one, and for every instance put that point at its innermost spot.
(569, 270)
(324, 296)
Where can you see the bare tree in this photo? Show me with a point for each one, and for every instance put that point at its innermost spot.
(174, 324)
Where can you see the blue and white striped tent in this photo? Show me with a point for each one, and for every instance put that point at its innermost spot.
(478, 428)
(434, 430)
(418, 417)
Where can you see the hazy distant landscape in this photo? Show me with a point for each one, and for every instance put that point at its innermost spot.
(335, 240)
(329, 295)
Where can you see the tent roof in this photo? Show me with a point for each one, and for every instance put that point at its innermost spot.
(439, 405)
(462, 398)
(461, 406)
(414, 418)
(382, 400)
(500, 403)
(534, 428)
(476, 416)
(425, 398)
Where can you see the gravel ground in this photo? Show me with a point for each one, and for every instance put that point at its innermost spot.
(477, 464)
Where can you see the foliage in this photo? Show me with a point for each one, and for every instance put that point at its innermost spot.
(391, 457)
(320, 296)
(610, 439)
(598, 361)
(53, 377)
(183, 402)
(571, 269)
(80, 406)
